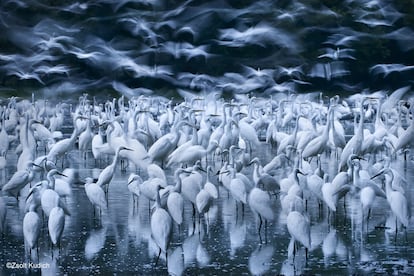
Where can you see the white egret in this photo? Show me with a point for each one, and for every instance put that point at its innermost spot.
(19, 180)
(99, 147)
(161, 227)
(85, 138)
(334, 190)
(237, 189)
(166, 144)
(137, 153)
(191, 155)
(134, 183)
(63, 146)
(405, 139)
(49, 197)
(4, 137)
(354, 145)
(56, 223)
(298, 226)
(203, 201)
(396, 199)
(206, 195)
(95, 195)
(175, 201)
(28, 144)
(315, 184)
(148, 188)
(154, 171)
(277, 162)
(319, 144)
(209, 186)
(31, 228)
(260, 204)
(63, 182)
(191, 185)
(107, 174)
(368, 190)
(261, 178)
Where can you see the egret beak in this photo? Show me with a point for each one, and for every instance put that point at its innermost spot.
(30, 193)
(300, 172)
(223, 172)
(125, 148)
(378, 174)
(354, 156)
(61, 174)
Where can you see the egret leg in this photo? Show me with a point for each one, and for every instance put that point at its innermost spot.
(294, 250)
(396, 230)
(260, 223)
(158, 257)
(194, 211)
(306, 254)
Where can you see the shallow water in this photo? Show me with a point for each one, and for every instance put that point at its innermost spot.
(227, 242)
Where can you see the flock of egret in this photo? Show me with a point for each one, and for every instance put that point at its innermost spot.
(205, 148)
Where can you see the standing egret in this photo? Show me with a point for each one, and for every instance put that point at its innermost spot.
(397, 200)
(95, 195)
(4, 137)
(264, 179)
(175, 201)
(248, 132)
(19, 180)
(318, 144)
(354, 145)
(405, 139)
(209, 186)
(154, 171)
(31, 228)
(85, 138)
(166, 144)
(49, 197)
(107, 174)
(190, 155)
(203, 202)
(277, 162)
(56, 223)
(28, 144)
(298, 226)
(161, 227)
(99, 147)
(237, 189)
(134, 182)
(191, 185)
(63, 146)
(260, 204)
(368, 190)
(206, 195)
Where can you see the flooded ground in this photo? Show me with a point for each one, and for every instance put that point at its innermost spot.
(227, 242)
